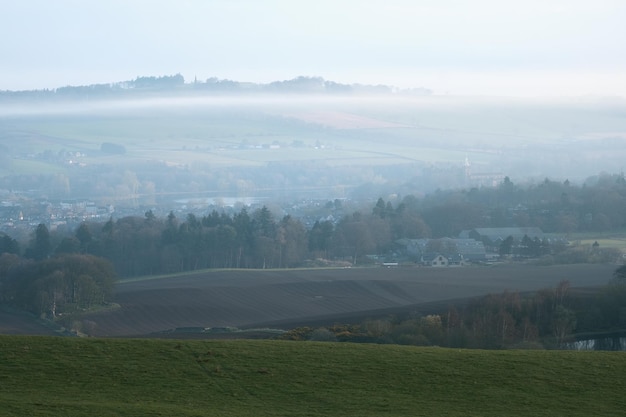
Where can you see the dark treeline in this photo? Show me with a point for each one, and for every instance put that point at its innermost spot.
(175, 84)
(149, 245)
(599, 205)
(545, 319)
(146, 245)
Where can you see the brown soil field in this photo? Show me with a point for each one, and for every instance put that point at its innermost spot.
(22, 323)
(249, 298)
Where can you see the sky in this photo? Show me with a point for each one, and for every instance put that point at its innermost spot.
(458, 47)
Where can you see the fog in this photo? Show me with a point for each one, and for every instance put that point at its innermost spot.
(136, 149)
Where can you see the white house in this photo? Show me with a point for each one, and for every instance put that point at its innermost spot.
(438, 261)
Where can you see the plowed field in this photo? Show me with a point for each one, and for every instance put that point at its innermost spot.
(243, 298)
(22, 323)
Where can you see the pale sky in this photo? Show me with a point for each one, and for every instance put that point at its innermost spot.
(485, 47)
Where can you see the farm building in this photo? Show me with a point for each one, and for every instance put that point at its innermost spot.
(437, 261)
(492, 237)
(500, 233)
(456, 251)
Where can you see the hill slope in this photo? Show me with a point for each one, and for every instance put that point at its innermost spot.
(43, 376)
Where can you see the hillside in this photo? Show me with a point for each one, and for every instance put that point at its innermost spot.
(42, 376)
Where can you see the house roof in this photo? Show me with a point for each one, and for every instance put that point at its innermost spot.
(501, 233)
(468, 248)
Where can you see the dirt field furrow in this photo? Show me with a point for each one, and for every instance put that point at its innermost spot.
(243, 297)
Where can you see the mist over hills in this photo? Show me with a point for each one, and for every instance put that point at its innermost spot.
(164, 142)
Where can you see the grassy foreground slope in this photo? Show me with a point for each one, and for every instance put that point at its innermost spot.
(47, 376)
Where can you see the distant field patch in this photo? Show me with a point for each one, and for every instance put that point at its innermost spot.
(618, 243)
(610, 239)
(29, 166)
(342, 120)
(605, 135)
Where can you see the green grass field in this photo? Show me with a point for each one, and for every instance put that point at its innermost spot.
(612, 239)
(47, 376)
(617, 243)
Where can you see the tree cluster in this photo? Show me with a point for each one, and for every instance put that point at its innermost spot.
(176, 83)
(55, 286)
(149, 245)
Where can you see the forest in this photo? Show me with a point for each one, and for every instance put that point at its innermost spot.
(56, 286)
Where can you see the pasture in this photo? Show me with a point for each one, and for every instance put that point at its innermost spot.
(612, 239)
(247, 298)
(47, 376)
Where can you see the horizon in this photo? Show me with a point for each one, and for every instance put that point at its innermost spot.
(529, 94)
(536, 49)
